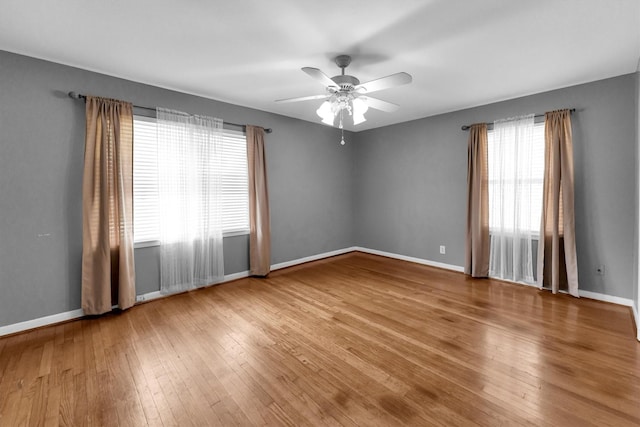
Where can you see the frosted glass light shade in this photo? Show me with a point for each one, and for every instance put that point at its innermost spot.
(325, 113)
(357, 119)
(359, 108)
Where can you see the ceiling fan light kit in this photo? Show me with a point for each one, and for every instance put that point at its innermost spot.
(346, 94)
(337, 104)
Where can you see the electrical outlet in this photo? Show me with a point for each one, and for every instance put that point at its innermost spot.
(600, 270)
(443, 249)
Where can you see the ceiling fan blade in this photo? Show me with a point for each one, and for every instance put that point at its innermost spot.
(381, 105)
(304, 98)
(387, 82)
(320, 76)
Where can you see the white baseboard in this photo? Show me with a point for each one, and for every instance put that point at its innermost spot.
(636, 315)
(42, 321)
(606, 298)
(235, 276)
(148, 296)
(311, 258)
(411, 259)
(591, 295)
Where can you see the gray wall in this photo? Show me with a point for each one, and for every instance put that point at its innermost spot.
(399, 189)
(41, 160)
(410, 181)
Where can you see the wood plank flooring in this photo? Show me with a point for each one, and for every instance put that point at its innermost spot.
(352, 340)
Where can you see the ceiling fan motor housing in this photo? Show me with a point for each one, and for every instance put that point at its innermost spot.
(346, 83)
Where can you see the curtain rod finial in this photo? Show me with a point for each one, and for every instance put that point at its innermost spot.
(76, 95)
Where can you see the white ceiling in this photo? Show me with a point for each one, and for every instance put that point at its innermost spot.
(461, 53)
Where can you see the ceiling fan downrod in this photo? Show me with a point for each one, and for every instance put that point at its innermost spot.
(346, 82)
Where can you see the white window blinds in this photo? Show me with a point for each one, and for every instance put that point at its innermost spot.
(235, 183)
(235, 188)
(146, 218)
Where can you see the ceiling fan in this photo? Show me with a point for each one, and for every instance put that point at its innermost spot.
(345, 93)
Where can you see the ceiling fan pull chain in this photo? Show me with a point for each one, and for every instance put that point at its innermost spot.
(341, 128)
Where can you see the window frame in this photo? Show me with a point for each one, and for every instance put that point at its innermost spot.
(540, 127)
(228, 134)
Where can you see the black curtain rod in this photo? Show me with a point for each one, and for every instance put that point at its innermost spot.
(467, 127)
(76, 95)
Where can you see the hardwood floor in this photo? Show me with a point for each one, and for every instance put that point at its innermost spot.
(352, 340)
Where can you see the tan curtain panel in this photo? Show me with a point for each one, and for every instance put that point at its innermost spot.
(259, 222)
(557, 261)
(477, 241)
(108, 275)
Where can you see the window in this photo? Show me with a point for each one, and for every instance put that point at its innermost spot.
(235, 182)
(516, 178)
(522, 175)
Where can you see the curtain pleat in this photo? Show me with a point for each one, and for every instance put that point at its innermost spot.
(477, 239)
(259, 225)
(557, 260)
(108, 272)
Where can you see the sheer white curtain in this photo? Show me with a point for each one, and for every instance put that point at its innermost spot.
(515, 166)
(189, 189)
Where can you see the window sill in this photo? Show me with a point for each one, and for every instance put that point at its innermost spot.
(235, 233)
(534, 235)
(152, 243)
(147, 244)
